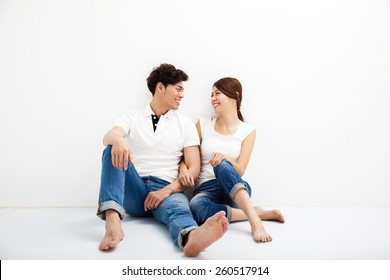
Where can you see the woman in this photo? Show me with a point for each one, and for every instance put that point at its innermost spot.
(226, 146)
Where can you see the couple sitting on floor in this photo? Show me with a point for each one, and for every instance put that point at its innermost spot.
(140, 173)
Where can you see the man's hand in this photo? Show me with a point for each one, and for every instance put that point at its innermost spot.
(154, 199)
(120, 154)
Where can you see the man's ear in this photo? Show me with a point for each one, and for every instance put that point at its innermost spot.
(160, 87)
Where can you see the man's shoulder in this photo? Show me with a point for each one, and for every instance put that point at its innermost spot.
(135, 112)
(184, 121)
(129, 117)
(182, 117)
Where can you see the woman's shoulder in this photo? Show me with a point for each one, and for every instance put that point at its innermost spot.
(247, 125)
(246, 129)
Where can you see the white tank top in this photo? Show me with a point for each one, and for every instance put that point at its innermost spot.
(212, 141)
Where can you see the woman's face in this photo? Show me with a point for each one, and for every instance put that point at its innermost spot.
(221, 102)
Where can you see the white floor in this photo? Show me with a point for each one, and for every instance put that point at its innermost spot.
(310, 233)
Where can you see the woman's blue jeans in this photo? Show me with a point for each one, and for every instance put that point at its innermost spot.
(125, 192)
(218, 194)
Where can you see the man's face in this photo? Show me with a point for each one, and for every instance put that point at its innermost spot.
(173, 95)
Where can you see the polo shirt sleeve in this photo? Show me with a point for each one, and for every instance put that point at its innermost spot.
(191, 137)
(124, 122)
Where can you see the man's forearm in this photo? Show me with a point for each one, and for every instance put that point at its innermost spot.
(113, 136)
(175, 187)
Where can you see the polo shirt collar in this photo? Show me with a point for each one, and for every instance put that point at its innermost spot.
(148, 111)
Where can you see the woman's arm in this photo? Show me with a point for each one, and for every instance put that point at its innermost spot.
(243, 159)
(245, 154)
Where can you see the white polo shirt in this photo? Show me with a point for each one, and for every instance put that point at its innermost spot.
(158, 153)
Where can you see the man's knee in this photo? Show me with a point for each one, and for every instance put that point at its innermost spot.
(107, 152)
(175, 203)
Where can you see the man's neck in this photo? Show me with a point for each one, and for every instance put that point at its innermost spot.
(157, 109)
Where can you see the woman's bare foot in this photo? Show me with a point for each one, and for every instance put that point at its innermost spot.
(269, 215)
(258, 232)
(114, 233)
(205, 235)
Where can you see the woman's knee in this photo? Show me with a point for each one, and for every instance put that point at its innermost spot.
(224, 166)
(202, 207)
(198, 205)
(197, 202)
(224, 163)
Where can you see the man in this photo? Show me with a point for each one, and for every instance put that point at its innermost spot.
(140, 168)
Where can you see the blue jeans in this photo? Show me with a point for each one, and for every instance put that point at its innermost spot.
(125, 192)
(218, 194)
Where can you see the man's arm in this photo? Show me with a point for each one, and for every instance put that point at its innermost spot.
(120, 153)
(192, 160)
(187, 178)
(189, 169)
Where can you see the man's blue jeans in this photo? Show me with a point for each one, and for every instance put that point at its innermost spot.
(125, 192)
(218, 194)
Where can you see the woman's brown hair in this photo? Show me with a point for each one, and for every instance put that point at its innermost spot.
(232, 88)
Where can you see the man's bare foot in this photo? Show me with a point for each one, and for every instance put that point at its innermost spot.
(205, 235)
(114, 233)
(269, 215)
(258, 232)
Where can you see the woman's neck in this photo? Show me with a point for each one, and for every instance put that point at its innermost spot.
(227, 124)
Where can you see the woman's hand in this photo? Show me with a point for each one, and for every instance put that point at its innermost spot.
(186, 179)
(216, 159)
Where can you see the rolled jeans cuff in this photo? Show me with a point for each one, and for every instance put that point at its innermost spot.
(236, 188)
(228, 212)
(110, 205)
(183, 233)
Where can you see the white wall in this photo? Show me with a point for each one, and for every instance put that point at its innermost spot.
(316, 77)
